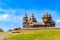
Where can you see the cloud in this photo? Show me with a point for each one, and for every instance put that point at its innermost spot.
(3, 17)
(57, 21)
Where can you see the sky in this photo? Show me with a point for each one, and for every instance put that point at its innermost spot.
(12, 11)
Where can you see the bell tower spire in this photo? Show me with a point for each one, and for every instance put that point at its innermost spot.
(25, 20)
(25, 14)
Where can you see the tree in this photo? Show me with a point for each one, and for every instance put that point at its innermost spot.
(9, 30)
(1, 30)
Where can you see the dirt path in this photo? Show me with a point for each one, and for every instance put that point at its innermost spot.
(4, 35)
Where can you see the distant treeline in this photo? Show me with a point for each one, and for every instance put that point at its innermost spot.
(1, 30)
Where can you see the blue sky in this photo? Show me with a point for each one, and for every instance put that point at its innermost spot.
(12, 11)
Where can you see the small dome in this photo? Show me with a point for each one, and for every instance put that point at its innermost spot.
(47, 15)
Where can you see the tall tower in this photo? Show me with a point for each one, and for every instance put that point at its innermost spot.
(47, 19)
(25, 19)
(32, 18)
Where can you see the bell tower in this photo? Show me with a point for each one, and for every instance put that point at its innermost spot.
(32, 18)
(25, 19)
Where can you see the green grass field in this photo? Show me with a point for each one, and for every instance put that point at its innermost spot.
(53, 34)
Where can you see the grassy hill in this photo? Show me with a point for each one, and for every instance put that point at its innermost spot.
(47, 34)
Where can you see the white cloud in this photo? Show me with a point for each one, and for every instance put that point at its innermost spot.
(10, 16)
(15, 19)
(3, 17)
(57, 21)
